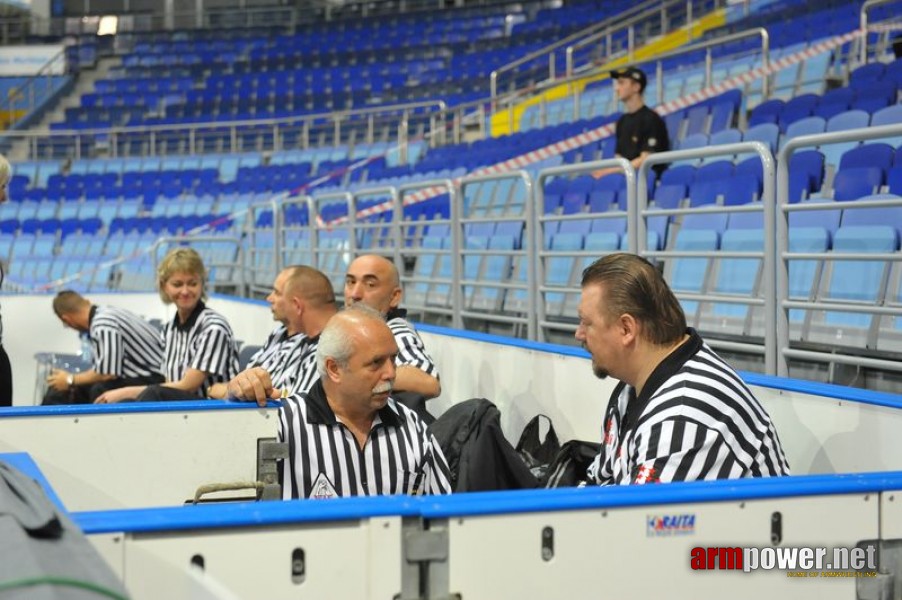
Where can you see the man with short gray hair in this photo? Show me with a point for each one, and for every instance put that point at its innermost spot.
(366, 444)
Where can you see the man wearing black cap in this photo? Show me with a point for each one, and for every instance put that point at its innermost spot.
(640, 130)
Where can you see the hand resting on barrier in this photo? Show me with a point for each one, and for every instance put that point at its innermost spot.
(253, 384)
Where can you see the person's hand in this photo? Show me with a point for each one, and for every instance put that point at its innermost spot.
(599, 173)
(58, 380)
(253, 385)
(114, 396)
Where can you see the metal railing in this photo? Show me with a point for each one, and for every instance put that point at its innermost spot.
(236, 267)
(708, 47)
(418, 286)
(330, 246)
(540, 257)
(340, 128)
(643, 11)
(524, 254)
(864, 23)
(25, 98)
(766, 297)
(18, 28)
(576, 78)
(784, 255)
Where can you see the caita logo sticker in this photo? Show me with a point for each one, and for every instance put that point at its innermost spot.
(322, 488)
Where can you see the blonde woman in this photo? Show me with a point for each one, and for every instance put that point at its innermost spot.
(199, 345)
(6, 373)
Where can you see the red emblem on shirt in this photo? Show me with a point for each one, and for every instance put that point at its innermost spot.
(647, 474)
(608, 433)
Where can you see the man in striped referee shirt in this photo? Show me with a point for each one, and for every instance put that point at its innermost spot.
(126, 351)
(374, 281)
(347, 436)
(302, 300)
(680, 412)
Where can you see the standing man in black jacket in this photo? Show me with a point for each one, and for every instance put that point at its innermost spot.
(640, 130)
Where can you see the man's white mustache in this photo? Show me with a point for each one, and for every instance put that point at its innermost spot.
(385, 386)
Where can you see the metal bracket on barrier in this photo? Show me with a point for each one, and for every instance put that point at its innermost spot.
(269, 453)
(888, 582)
(424, 568)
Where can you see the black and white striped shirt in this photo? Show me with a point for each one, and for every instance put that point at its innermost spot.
(411, 350)
(281, 356)
(205, 342)
(325, 461)
(124, 344)
(694, 420)
(304, 374)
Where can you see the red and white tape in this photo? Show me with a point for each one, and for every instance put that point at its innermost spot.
(545, 152)
(594, 135)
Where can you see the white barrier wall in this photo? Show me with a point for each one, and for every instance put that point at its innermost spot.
(140, 455)
(341, 559)
(586, 543)
(823, 428)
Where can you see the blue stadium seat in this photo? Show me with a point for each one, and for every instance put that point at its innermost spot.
(856, 281)
(798, 108)
(725, 136)
(806, 174)
(766, 133)
(669, 195)
(894, 180)
(806, 126)
(496, 268)
(559, 270)
(681, 175)
(699, 232)
(740, 277)
(851, 119)
(890, 115)
(868, 155)
(851, 184)
(692, 141)
(767, 112)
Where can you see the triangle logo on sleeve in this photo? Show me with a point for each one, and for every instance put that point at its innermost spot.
(322, 488)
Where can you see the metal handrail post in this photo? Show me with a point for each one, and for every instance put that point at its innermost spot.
(537, 270)
(392, 192)
(532, 211)
(768, 199)
(782, 220)
(397, 227)
(446, 184)
(456, 245)
(277, 222)
(313, 217)
(863, 24)
(529, 222)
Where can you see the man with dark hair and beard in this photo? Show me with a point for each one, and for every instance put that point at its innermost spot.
(679, 413)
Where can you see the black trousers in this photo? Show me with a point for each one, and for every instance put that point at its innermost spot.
(6, 379)
(154, 393)
(86, 394)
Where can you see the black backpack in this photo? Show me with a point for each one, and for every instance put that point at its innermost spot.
(538, 454)
(569, 466)
(479, 456)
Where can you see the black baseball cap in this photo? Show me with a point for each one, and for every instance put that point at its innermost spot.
(634, 73)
